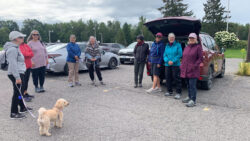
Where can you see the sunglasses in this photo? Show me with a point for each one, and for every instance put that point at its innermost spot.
(20, 37)
(159, 36)
(35, 34)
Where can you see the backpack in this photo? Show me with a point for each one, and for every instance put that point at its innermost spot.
(3, 61)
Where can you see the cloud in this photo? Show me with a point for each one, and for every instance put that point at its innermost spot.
(52, 11)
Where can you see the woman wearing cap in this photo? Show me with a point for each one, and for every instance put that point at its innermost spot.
(93, 58)
(16, 70)
(141, 51)
(190, 67)
(28, 54)
(156, 59)
(74, 53)
(39, 60)
(172, 56)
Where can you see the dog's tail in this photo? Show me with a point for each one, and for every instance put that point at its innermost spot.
(40, 117)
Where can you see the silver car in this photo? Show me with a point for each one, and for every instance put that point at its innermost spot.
(58, 53)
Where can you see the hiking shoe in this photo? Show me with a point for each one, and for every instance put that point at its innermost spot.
(149, 90)
(78, 84)
(191, 103)
(37, 90)
(186, 100)
(140, 85)
(42, 89)
(168, 93)
(177, 96)
(25, 110)
(31, 96)
(27, 99)
(102, 83)
(17, 116)
(71, 85)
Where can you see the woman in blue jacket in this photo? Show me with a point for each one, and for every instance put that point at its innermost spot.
(155, 59)
(172, 56)
(74, 53)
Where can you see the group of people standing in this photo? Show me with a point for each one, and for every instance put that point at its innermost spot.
(22, 60)
(178, 64)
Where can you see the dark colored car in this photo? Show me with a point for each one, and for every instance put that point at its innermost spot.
(213, 57)
(112, 47)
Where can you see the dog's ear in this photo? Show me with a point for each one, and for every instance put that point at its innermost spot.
(59, 104)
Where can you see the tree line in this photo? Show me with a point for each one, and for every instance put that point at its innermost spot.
(115, 32)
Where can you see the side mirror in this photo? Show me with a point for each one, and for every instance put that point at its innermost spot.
(222, 50)
(103, 52)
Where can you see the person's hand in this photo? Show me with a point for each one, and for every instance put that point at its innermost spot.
(47, 62)
(77, 58)
(33, 64)
(93, 59)
(170, 63)
(158, 65)
(19, 81)
(149, 63)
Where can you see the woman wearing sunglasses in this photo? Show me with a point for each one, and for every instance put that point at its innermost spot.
(39, 60)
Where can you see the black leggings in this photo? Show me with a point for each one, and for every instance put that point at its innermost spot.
(172, 73)
(15, 100)
(38, 74)
(26, 80)
(90, 66)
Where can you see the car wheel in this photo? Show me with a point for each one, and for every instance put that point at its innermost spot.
(222, 71)
(113, 63)
(66, 69)
(207, 85)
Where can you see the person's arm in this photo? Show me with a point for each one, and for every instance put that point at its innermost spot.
(12, 54)
(98, 56)
(165, 56)
(70, 52)
(135, 51)
(199, 56)
(79, 51)
(179, 53)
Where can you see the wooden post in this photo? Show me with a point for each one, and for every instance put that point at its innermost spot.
(248, 48)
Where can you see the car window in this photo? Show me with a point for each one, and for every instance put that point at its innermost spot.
(82, 47)
(115, 46)
(121, 46)
(132, 46)
(204, 41)
(209, 43)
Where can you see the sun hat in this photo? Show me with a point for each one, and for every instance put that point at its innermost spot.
(192, 35)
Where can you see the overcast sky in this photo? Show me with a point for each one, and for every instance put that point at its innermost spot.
(52, 11)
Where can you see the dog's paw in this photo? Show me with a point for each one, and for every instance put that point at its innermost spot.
(48, 134)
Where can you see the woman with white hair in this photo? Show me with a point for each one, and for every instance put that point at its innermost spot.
(172, 57)
(93, 59)
(39, 60)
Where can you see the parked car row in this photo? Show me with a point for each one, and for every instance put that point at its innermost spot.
(58, 53)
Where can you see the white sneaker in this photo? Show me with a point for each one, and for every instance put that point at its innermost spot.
(71, 85)
(157, 90)
(149, 90)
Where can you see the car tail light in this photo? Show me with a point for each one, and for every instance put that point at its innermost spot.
(200, 78)
(54, 55)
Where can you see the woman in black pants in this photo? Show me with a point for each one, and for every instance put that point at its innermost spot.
(16, 70)
(93, 58)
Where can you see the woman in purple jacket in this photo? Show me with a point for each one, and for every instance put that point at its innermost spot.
(190, 68)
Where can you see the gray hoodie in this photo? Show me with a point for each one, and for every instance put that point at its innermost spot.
(15, 60)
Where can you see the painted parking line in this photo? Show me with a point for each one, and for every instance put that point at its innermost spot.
(206, 109)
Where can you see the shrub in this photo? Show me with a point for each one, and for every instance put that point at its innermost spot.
(242, 44)
(226, 39)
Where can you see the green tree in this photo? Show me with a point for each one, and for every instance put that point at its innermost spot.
(248, 48)
(4, 35)
(127, 33)
(214, 19)
(120, 37)
(175, 8)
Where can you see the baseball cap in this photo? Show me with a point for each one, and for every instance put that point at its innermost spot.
(15, 34)
(192, 35)
(159, 34)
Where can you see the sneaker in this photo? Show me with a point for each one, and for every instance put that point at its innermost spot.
(191, 103)
(78, 84)
(17, 116)
(177, 96)
(31, 96)
(140, 85)
(149, 90)
(42, 89)
(168, 93)
(102, 83)
(135, 86)
(25, 110)
(157, 90)
(27, 99)
(37, 90)
(71, 85)
(153, 90)
(186, 100)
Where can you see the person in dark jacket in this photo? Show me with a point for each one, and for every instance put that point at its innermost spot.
(16, 71)
(141, 52)
(93, 59)
(172, 57)
(190, 68)
(74, 53)
(155, 60)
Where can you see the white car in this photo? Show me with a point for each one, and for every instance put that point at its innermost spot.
(58, 54)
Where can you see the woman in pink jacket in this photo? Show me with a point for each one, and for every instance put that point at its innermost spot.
(190, 67)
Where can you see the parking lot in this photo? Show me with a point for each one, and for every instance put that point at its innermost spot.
(118, 112)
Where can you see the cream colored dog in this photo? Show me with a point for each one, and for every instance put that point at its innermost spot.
(53, 115)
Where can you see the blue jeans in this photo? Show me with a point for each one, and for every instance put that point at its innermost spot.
(191, 84)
